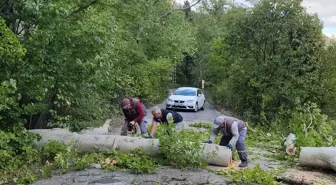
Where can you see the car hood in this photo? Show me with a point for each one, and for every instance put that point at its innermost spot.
(184, 98)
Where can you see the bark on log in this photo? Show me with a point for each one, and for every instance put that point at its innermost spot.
(213, 154)
(320, 157)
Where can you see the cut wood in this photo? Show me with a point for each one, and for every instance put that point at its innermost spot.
(213, 154)
(289, 143)
(291, 150)
(320, 157)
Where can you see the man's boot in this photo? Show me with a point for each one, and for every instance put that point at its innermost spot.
(243, 158)
(243, 164)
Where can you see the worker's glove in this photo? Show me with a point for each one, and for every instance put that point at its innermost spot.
(230, 146)
(149, 137)
(209, 142)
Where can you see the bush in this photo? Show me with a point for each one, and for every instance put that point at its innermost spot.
(51, 149)
(16, 149)
(180, 149)
(311, 127)
(251, 175)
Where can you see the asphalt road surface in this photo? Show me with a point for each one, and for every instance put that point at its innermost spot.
(207, 115)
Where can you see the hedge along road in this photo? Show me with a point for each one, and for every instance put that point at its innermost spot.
(164, 175)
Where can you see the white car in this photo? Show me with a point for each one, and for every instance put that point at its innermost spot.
(188, 98)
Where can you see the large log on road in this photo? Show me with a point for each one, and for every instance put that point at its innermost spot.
(320, 157)
(212, 153)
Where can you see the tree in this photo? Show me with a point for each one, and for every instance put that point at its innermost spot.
(84, 56)
(273, 57)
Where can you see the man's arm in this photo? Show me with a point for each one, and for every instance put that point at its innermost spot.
(140, 111)
(235, 133)
(214, 134)
(154, 124)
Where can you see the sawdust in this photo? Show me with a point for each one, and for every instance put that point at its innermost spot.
(234, 165)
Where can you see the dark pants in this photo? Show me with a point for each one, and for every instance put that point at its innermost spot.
(240, 146)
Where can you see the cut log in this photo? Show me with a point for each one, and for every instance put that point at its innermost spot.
(320, 157)
(289, 143)
(290, 150)
(213, 154)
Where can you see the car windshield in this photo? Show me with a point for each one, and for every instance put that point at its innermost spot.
(185, 92)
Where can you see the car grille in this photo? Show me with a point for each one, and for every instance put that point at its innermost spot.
(176, 101)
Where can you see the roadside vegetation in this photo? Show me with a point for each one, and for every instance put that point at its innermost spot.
(69, 63)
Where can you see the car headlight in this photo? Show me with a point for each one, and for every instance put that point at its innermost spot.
(170, 99)
(190, 101)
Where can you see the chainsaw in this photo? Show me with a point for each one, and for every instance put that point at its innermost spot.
(134, 128)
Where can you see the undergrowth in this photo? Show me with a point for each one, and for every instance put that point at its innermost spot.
(178, 149)
(21, 163)
(251, 175)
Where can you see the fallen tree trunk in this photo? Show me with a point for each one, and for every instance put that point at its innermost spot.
(213, 154)
(320, 157)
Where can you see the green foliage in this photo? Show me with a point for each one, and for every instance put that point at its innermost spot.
(17, 149)
(154, 86)
(137, 161)
(76, 80)
(251, 175)
(257, 70)
(307, 121)
(51, 149)
(11, 51)
(179, 149)
(71, 160)
(329, 77)
(9, 104)
(202, 125)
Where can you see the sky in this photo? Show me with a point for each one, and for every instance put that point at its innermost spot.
(324, 9)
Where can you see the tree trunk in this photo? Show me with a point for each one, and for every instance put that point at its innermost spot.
(320, 157)
(213, 154)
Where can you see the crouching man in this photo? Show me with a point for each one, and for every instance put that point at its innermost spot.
(135, 114)
(162, 116)
(234, 133)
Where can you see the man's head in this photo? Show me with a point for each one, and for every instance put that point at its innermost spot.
(156, 111)
(126, 104)
(219, 122)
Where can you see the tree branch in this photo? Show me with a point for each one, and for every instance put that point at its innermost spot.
(179, 9)
(82, 7)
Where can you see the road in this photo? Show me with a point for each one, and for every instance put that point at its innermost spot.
(206, 115)
(165, 175)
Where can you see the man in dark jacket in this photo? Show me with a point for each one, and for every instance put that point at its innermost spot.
(234, 133)
(135, 114)
(162, 116)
